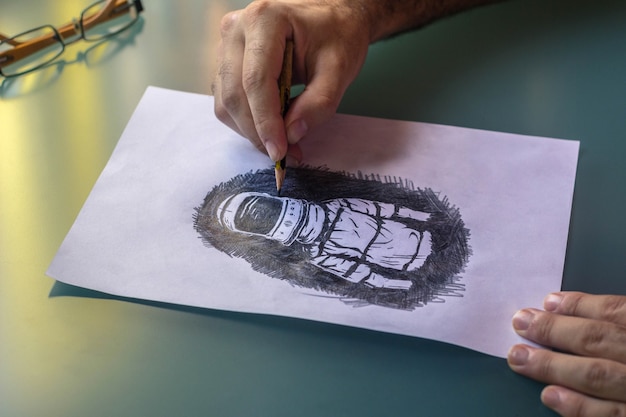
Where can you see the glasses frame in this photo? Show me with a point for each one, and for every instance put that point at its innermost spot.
(63, 35)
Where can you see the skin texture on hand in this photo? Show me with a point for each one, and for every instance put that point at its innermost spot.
(331, 39)
(587, 371)
(330, 46)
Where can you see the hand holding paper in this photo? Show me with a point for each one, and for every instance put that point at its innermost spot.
(587, 370)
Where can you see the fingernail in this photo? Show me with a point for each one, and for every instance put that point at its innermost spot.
(518, 355)
(552, 302)
(522, 319)
(296, 131)
(293, 161)
(551, 397)
(272, 151)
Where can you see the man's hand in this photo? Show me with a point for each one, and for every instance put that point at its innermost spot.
(330, 45)
(587, 373)
(331, 39)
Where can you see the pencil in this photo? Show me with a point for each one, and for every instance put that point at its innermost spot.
(284, 89)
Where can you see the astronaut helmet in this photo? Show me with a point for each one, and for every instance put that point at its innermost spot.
(260, 214)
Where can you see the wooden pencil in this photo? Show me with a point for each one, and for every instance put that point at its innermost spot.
(284, 89)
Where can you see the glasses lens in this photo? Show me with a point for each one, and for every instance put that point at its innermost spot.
(106, 18)
(29, 51)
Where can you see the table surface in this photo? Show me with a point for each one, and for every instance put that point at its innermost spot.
(551, 68)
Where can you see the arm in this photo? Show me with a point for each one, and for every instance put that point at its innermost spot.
(587, 373)
(331, 39)
(390, 17)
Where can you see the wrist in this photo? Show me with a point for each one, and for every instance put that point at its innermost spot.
(386, 18)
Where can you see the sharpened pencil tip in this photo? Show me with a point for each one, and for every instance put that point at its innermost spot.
(279, 172)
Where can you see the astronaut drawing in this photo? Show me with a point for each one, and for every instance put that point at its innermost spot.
(347, 237)
(362, 239)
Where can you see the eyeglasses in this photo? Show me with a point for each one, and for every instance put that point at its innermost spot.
(34, 49)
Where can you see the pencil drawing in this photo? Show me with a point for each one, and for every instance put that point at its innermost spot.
(361, 238)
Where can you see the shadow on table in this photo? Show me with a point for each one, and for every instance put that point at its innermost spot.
(460, 378)
(60, 289)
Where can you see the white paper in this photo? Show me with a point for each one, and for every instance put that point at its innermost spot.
(135, 235)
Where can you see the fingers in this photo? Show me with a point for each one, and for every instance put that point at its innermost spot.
(330, 45)
(600, 378)
(570, 403)
(246, 91)
(611, 308)
(589, 374)
(329, 79)
(577, 335)
(231, 104)
(261, 68)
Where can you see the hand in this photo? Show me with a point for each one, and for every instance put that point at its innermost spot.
(331, 39)
(587, 375)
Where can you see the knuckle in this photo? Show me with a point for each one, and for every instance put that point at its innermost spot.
(252, 79)
(327, 103)
(262, 123)
(226, 104)
(541, 327)
(341, 60)
(596, 376)
(229, 103)
(228, 23)
(545, 368)
(614, 309)
(257, 10)
(593, 339)
(575, 304)
(258, 6)
(578, 406)
(582, 406)
(227, 99)
(221, 113)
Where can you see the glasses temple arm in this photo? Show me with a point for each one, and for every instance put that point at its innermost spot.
(8, 40)
(23, 50)
(113, 9)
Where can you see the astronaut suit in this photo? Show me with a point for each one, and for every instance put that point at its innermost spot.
(351, 238)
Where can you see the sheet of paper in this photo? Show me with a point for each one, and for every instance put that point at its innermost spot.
(425, 230)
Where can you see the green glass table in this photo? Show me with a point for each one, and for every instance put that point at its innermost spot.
(551, 68)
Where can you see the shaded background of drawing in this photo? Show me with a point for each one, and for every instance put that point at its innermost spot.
(437, 277)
